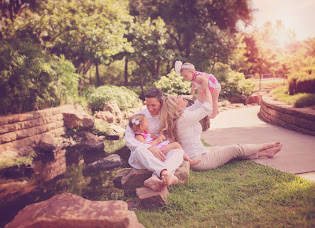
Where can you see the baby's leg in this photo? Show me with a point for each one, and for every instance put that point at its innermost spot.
(171, 146)
(215, 97)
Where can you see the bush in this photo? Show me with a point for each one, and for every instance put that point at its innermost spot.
(302, 82)
(173, 83)
(299, 100)
(124, 97)
(32, 79)
(233, 83)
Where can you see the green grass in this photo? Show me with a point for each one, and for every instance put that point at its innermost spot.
(299, 100)
(238, 194)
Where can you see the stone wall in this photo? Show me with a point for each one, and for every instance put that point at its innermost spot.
(19, 131)
(281, 114)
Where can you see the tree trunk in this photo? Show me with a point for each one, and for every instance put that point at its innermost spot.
(126, 71)
(158, 68)
(168, 67)
(97, 75)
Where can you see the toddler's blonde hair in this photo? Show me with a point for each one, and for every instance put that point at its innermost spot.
(135, 127)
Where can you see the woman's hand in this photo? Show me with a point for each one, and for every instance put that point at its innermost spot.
(157, 153)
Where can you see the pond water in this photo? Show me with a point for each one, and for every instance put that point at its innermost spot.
(63, 171)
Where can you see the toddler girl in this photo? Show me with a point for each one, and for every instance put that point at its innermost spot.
(139, 124)
(202, 81)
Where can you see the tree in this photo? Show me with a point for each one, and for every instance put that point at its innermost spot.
(194, 22)
(85, 31)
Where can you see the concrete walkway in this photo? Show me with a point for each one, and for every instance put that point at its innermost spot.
(238, 126)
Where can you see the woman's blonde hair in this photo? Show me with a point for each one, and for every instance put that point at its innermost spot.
(133, 124)
(169, 116)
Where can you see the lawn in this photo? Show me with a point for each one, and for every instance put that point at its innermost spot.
(297, 100)
(239, 194)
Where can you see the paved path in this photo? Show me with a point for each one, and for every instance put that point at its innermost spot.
(243, 126)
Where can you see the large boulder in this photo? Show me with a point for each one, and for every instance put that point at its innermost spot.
(148, 198)
(111, 162)
(72, 211)
(47, 144)
(182, 173)
(78, 120)
(92, 142)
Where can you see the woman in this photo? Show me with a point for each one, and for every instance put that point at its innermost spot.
(182, 125)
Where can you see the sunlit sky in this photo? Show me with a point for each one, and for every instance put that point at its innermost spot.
(297, 15)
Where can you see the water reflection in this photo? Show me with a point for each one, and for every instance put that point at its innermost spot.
(52, 174)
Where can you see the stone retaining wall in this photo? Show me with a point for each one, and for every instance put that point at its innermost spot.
(26, 129)
(281, 114)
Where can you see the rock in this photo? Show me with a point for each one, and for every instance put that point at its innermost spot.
(15, 190)
(118, 130)
(71, 211)
(47, 144)
(112, 107)
(75, 120)
(254, 98)
(129, 179)
(93, 142)
(205, 123)
(151, 199)
(106, 116)
(119, 175)
(238, 99)
(109, 163)
(182, 173)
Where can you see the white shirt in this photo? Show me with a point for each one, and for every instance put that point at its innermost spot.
(154, 128)
(189, 129)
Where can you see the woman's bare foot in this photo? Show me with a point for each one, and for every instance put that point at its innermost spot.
(266, 146)
(270, 152)
(155, 183)
(170, 178)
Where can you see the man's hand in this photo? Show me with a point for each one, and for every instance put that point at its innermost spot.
(157, 153)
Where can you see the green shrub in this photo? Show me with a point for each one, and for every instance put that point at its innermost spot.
(299, 100)
(124, 97)
(236, 84)
(173, 83)
(302, 82)
(32, 79)
(233, 83)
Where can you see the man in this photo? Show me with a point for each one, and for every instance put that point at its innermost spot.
(146, 156)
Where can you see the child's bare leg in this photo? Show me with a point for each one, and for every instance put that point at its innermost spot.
(171, 146)
(215, 97)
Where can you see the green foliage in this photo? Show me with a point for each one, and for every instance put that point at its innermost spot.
(6, 162)
(302, 82)
(85, 31)
(238, 194)
(299, 100)
(31, 78)
(124, 97)
(173, 83)
(232, 82)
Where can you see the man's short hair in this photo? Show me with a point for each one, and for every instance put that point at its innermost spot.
(154, 92)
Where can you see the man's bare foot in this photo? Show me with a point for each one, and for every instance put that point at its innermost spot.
(155, 183)
(194, 162)
(170, 178)
(270, 152)
(266, 146)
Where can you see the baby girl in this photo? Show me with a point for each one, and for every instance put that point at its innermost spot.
(139, 124)
(202, 81)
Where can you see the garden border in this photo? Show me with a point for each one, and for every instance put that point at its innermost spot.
(298, 119)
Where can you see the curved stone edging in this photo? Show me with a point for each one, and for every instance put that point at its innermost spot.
(281, 114)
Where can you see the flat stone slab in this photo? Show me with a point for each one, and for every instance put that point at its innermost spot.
(241, 126)
(150, 199)
(72, 211)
